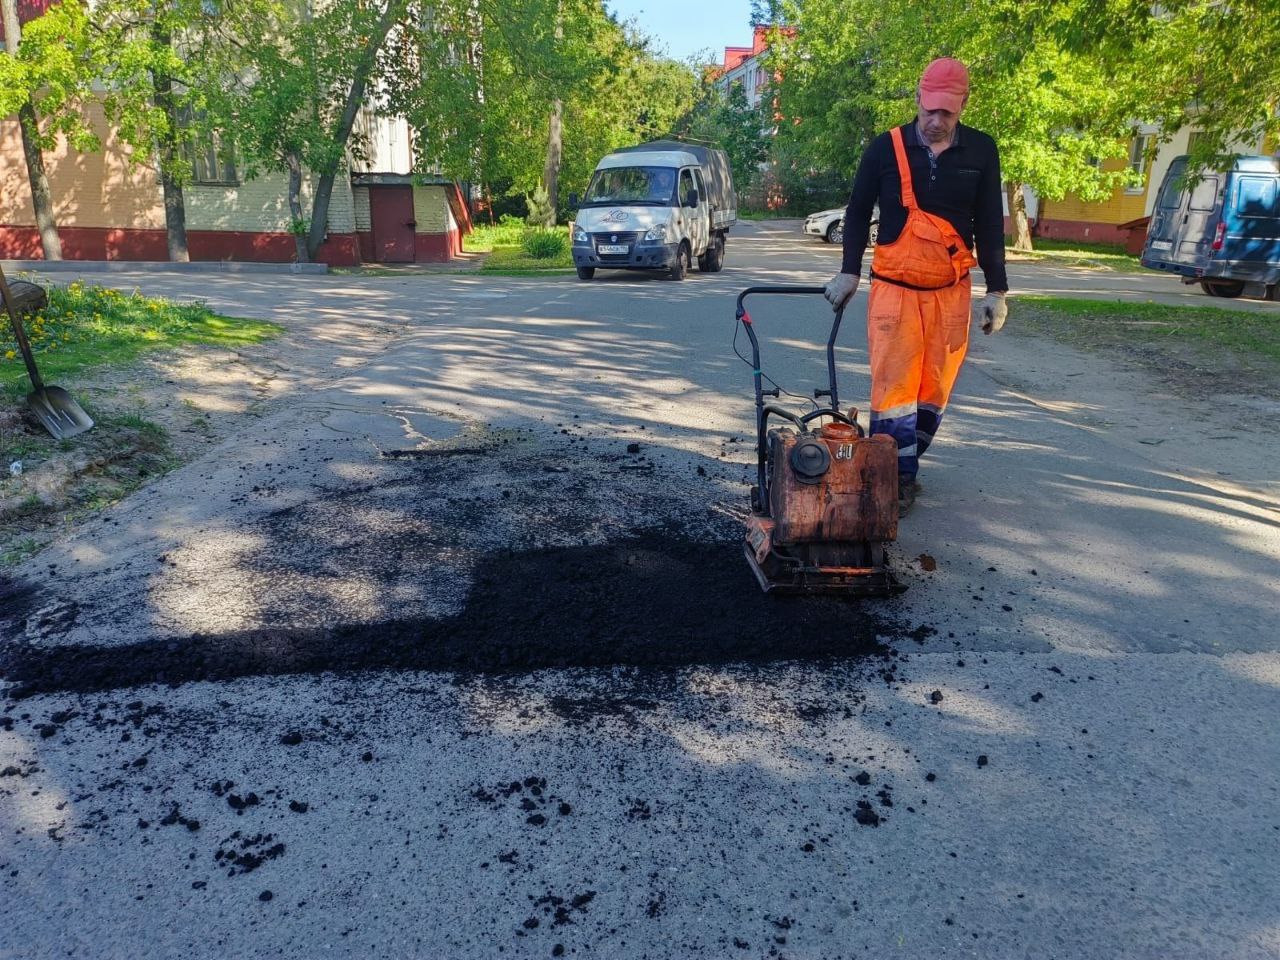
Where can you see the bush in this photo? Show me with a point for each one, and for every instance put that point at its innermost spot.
(544, 244)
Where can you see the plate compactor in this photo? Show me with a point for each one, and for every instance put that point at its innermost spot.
(825, 501)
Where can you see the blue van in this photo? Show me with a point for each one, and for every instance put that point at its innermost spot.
(1223, 233)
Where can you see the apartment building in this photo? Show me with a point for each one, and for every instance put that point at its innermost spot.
(109, 205)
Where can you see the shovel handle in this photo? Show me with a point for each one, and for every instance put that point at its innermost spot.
(21, 334)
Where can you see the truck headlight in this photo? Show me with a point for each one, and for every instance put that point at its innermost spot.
(656, 232)
(580, 235)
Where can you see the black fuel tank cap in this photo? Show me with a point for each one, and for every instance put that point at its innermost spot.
(810, 459)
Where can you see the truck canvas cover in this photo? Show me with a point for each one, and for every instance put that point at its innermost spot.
(715, 172)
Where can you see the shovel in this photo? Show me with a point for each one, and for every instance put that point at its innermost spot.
(53, 406)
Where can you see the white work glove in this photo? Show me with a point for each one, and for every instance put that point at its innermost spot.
(840, 289)
(990, 312)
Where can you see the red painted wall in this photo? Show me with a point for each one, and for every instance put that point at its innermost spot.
(98, 243)
(1084, 231)
(437, 247)
(1081, 230)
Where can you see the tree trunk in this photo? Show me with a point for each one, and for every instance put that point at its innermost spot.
(342, 134)
(29, 122)
(294, 163)
(41, 194)
(175, 210)
(551, 169)
(555, 142)
(1018, 217)
(175, 216)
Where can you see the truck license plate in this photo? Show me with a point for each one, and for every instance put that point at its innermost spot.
(613, 248)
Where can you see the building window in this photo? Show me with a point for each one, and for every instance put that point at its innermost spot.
(1138, 163)
(211, 163)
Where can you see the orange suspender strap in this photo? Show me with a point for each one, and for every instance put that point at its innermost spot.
(904, 170)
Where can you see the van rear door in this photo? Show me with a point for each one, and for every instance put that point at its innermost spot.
(1183, 221)
(1251, 238)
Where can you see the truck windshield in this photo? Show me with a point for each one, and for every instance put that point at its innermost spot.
(632, 185)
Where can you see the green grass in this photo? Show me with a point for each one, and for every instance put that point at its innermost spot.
(1076, 246)
(1222, 335)
(484, 238)
(1070, 253)
(90, 326)
(14, 553)
(515, 261)
(507, 256)
(773, 214)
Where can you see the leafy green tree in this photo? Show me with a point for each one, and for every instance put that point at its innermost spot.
(642, 99)
(157, 62)
(1054, 113)
(294, 105)
(732, 124)
(1209, 65)
(45, 74)
(532, 92)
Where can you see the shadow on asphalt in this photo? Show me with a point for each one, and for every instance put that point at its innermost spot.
(651, 600)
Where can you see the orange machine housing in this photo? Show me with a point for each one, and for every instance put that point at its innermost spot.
(826, 531)
(856, 499)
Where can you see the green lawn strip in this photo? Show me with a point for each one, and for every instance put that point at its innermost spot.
(1070, 253)
(516, 261)
(484, 237)
(90, 326)
(1247, 335)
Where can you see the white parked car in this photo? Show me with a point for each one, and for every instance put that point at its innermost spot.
(829, 225)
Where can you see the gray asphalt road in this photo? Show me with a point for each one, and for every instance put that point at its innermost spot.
(509, 700)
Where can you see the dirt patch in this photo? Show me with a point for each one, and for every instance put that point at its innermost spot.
(153, 415)
(61, 481)
(654, 599)
(1194, 366)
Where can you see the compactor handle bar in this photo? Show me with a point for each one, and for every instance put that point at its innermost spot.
(762, 411)
(741, 314)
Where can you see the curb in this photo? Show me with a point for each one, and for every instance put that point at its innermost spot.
(156, 266)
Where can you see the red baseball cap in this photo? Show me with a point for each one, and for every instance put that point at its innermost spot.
(944, 85)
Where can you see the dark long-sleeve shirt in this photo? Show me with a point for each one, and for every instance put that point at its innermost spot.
(962, 185)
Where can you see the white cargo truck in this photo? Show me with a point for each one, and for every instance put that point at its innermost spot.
(658, 206)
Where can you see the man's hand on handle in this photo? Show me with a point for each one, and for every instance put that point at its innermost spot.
(990, 312)
(841, 288)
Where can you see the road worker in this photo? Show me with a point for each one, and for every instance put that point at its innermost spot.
(938, 186)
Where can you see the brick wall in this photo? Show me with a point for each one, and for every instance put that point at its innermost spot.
(263, 205)
(431, 209)
(360, 209)
(108, 207)
(95, 190)
(1120, 207)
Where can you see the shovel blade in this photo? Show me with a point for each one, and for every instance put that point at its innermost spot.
(58, 411)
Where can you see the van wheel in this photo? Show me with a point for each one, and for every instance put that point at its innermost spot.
(713, 260)
(717, 263)
(1222, 288)
(586, 273)
(680, 269)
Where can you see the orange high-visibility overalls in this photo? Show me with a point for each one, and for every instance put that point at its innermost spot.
(917, 323)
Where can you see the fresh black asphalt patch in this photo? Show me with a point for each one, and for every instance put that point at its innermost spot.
(653, 599)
